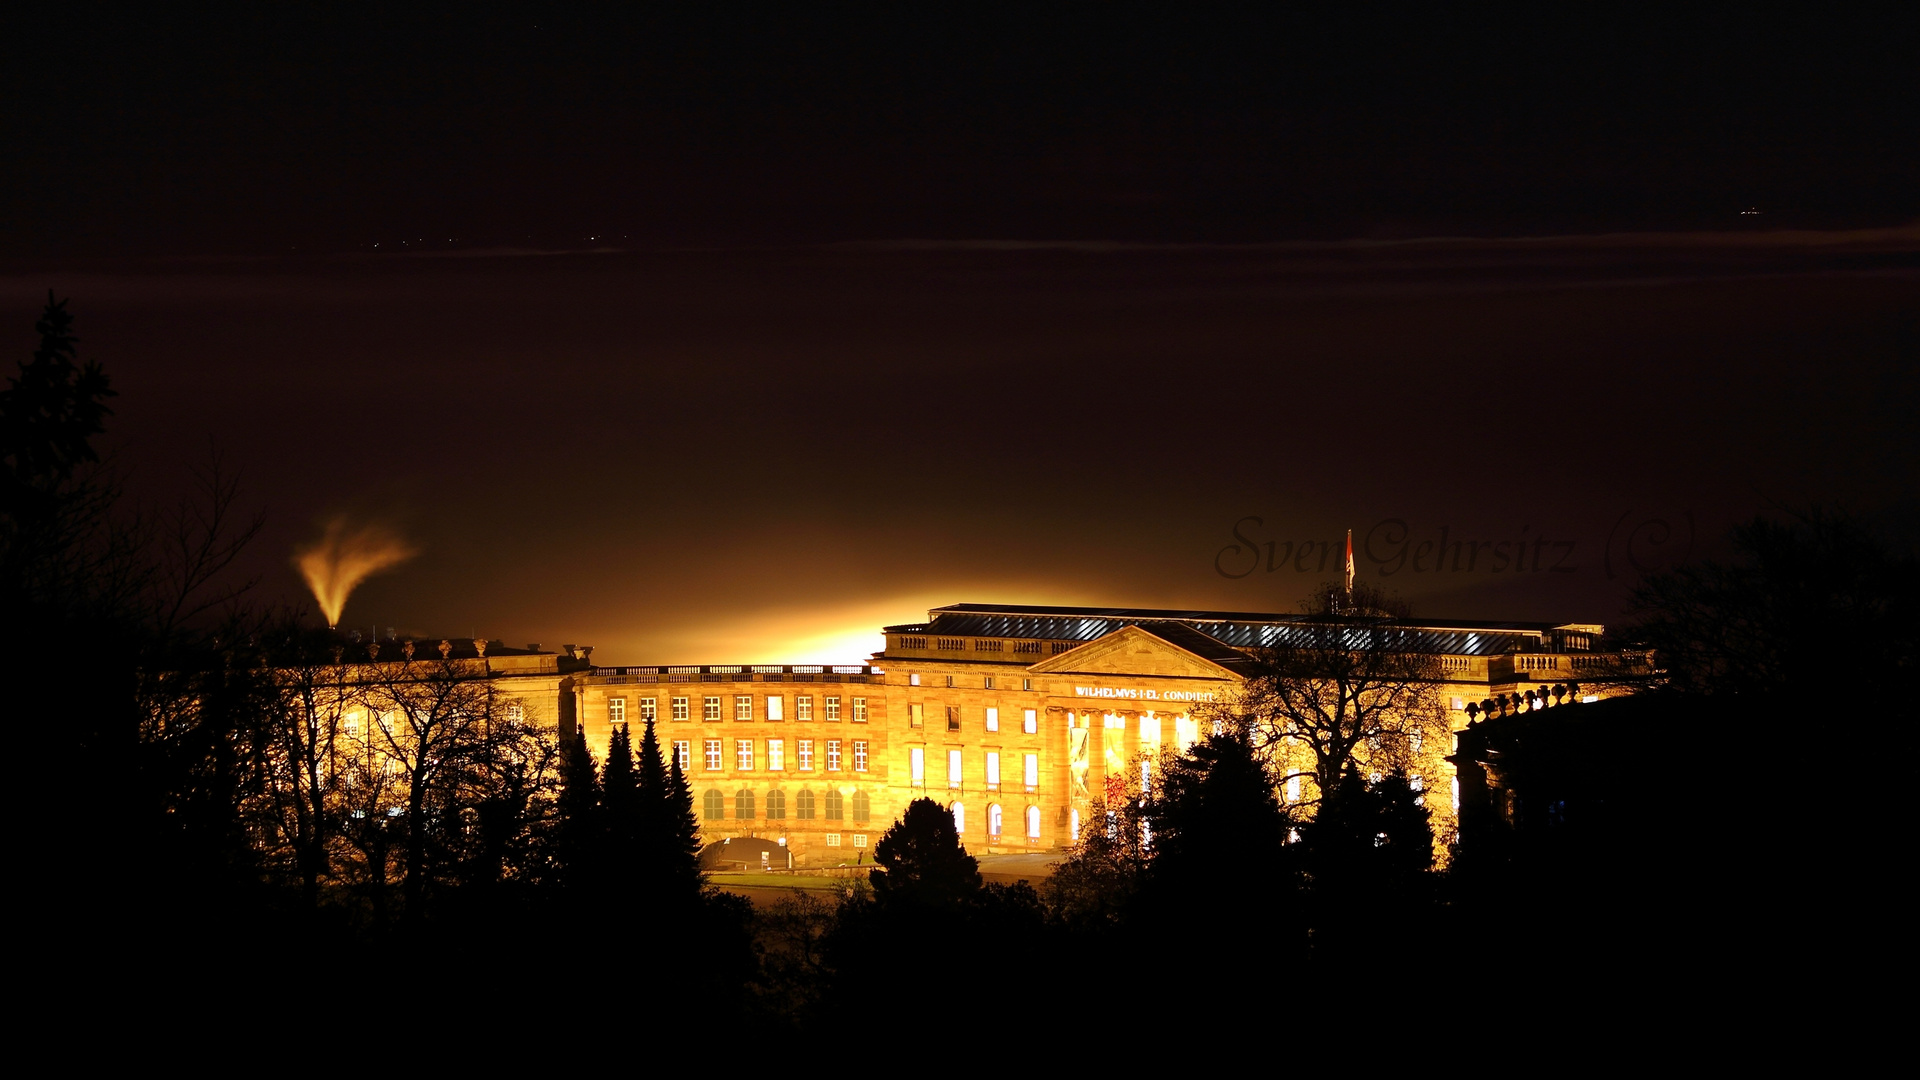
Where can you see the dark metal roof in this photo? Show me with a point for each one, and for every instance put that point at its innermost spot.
(1233, 629)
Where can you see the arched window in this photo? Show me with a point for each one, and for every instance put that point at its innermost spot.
(835, 811)
(713, 806)
(993, 819)
(1033, 823)
(959, 818)
(776, 805)
(743, 804)
(862, 809)
(803, 806)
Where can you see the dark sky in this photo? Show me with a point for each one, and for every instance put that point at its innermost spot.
(702, 337)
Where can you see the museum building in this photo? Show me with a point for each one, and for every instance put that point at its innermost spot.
(1019, 719)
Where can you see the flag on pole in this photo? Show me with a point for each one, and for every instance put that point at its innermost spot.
(1349, 563)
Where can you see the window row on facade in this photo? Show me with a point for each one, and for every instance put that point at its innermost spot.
(746, 708)
(987, 682)
(956, 768)
(770, 755)
(996, 820)
(990, 718)
(829, 805)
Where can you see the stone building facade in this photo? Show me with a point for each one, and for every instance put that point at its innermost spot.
(1020, 719)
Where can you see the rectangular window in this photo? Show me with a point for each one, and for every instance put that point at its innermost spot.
(953, 718)
(776, 754)
(516, 713)
(805, 751)
(993, 718)
(953, 768)
(743, 707)
(833, 755)
(993, 768)
(710, 710)
(913, 680)
(859, 710)
(859, 755)
(989, 682)
(1026, 684)
(949, 680)
(680, 708)
(916, 764)
(1293, 788)
(776, 707)
(713, 755)
(833, 708)
(743, 754)
(683, 754)
(617, 710)
(860, 840)
(1030, 721)
(916, 714)
(833, 839)
(647, 711)
(1033, 770)
(803, 708)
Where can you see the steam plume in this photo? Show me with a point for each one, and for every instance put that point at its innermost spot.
(342, 558)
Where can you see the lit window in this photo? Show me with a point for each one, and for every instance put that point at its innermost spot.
(916, 714)
(776, 805)
(713, 755)
(1186, 731)
(953, 718)
(993, 820)
(617, 710)
(1115, 722)
(743, 754)
(959, 818)
(913, 680)
(916, 764)
(862, 810)
(516, 714)
(1030, 721)
(1149, 732)
(993, 718)
(1026, 684)
(1033, 823)
(776, 755)
(743, 804)
(1293, 789)
(805, 753)
(647, 711)
(1073, 823)
(680, 708)
(713, 806)
(743, 707)
(833, 839)
(989, 682)
(949, 680)
(1419, 787)
(803, 806)
(859, 710)
(803, 708)
(953, 768)
(993, 768)
(833, 709)
(710, 710)
(683, 754)
(835, 806)
(860, 840)
(1033, 770)
(776, 707)
(859, 755)
(1415, 740)
(833, 755)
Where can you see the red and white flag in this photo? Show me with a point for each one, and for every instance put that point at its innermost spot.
(1349, 562)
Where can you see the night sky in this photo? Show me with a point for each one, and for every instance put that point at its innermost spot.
(716, 338)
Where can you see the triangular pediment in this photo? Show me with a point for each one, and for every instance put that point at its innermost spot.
(1131, 650)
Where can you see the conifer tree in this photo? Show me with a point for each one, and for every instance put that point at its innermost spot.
(682, 832)
(620, 811)
(579, 830)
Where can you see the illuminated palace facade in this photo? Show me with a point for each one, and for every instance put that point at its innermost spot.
(1017, 718)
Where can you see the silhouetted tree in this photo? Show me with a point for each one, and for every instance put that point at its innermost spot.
(1351, 683)
(1368, 856)
(577, 836)
(922, 862)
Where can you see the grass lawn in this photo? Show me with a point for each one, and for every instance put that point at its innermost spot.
(779, 881)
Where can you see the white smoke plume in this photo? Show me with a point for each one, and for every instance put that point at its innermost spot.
(345, 556)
